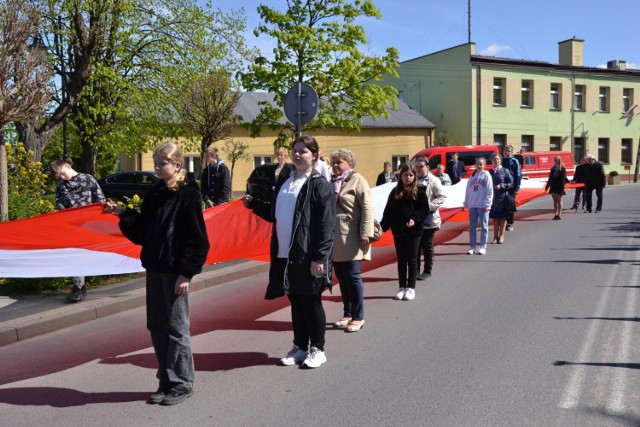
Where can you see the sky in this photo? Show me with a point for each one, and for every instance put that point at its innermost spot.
(516, 29)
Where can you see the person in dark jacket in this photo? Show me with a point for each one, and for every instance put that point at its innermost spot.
(215, 180)
(555, 185)
(455, 169)
(513, 165)
(405, 212)
(303, 214)
(386, 175)
(171, 229)
(578, 178)
(502, 182)
(594, 179)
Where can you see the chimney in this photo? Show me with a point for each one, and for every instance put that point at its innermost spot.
(617, 64)
(571, 52)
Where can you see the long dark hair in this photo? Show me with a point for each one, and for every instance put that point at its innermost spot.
(410, 192)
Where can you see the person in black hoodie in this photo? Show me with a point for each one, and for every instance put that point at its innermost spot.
(215, 180)
(594, 179)
(171, 229)
(405, 212)
(303, 214)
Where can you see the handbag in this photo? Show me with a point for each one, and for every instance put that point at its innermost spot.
(509, 203)
(377, 231)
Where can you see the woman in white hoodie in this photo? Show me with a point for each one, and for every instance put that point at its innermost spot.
(478, 199)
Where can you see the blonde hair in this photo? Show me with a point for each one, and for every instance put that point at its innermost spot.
(559, 161)
(172, 152)
(211, 149)
(57, 165)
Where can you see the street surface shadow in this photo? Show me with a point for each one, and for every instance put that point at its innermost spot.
(619, 419)
(64, 397)
(622, 319)
(210, 362)
(604, 365)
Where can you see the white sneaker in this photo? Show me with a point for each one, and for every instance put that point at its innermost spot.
(482, 251)
(410, 295)
(315, 358)
(295, 355)
(400, 293)
(470, 252)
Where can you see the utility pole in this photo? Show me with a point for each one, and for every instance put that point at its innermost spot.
(469, 21)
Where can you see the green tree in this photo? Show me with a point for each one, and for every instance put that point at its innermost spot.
(236, 151)
(318, 43)
(443, 138)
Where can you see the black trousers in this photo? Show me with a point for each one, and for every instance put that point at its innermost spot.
(309, 321)
(407, 253)
(589, 196)
(426, 249)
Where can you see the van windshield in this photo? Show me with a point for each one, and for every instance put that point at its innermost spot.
(469, 158)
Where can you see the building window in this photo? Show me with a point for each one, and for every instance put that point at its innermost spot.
(498, 92)
(261, 160)
(555, 96)
(603, 150)
(578, 98)
(500, 140)
(625, 154)
(603, 100)
(627, 99)
(193, 164)
(527, 143)
(526, 91)
(398, 161)
(555, 143)
(578, 149)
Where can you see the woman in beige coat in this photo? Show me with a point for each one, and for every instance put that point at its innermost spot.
(354, 227)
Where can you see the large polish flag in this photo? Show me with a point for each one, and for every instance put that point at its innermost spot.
(86, 241)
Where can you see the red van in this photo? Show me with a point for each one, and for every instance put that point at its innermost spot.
(536, 165)
(466, 153)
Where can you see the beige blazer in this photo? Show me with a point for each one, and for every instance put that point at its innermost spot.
(354, 219)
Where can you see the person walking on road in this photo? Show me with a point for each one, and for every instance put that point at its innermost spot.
(405, 212)
(354, 227)
(171, 230)
(435, 197)
(513, 165)
(502, 185)
(303, 214)
(555, 185)
(215, 179)
(75, 189)
(478, 198)
(594, 179)
(578, 178)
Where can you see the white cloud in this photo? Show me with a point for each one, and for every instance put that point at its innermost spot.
(495, 49)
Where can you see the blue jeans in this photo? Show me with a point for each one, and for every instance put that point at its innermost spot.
(351, 288)
(475, 215)
(168, 322)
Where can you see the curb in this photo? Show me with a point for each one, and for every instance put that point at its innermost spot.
(30, 326)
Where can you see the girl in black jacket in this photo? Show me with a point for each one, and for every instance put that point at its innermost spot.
(171, 229)
(405, 212)
(555, 185)
(303, 214)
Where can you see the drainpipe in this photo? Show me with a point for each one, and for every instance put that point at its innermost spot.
(478, 105)
(573, 109)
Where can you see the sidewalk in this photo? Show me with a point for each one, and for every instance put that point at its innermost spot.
(30, 316)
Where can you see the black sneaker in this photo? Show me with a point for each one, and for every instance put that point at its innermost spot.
(157, 397)
(177, 395)
(424, 276)
(77, 294)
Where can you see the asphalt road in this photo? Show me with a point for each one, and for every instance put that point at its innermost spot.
(541, 331)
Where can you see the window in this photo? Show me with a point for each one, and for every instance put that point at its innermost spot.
(627, 99)
(193, 164)
(555, 143)
(555, 96)
(603, 150)
(261, 160)
(527, 143)
(578, 149)
(625, 155)
(498, 92)
(500, 140)
(526, 91)
(398, 161)
(603, 100)
(578, 98)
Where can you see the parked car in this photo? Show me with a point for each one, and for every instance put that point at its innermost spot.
(466, 153)
(537, 164)
(262, 181)
(126, 184)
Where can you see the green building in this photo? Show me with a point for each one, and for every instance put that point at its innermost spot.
(532, 105)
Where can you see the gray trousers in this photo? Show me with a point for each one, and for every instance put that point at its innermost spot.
(168, 322)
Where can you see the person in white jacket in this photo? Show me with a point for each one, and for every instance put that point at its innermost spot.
(477, 199)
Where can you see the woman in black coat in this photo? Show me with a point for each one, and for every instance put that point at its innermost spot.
(555, 185)
(405, 212)
(303, 214)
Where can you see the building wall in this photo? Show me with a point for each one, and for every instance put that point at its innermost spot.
(372, 147)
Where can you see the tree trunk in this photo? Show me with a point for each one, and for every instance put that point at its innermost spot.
(88, 158)
(33, 138)
(4, 181)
